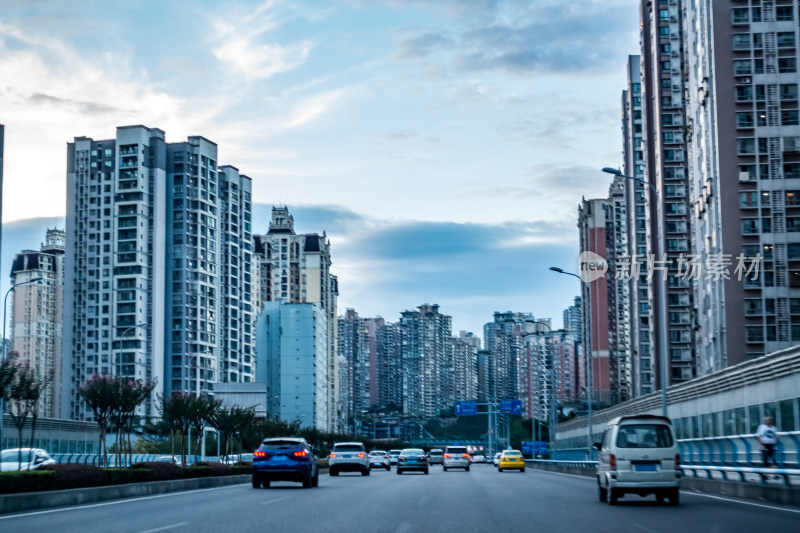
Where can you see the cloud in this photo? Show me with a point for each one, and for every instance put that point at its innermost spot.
(524, 38)
(261, 60)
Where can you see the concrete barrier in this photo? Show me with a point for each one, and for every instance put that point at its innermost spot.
(14, 503)
(735, 489)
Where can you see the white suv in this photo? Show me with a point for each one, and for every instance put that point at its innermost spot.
(456, 457)
(638, 455)
(348, 457)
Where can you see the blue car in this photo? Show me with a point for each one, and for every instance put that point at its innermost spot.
(285, 459)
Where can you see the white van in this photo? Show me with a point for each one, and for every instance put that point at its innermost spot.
(638, 455)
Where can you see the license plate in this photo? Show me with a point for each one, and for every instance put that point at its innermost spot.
(644, 468)
(345, 456)
(279, 458)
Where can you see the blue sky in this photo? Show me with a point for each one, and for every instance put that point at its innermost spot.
(443, 145)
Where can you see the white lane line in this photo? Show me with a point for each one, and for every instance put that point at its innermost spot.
(276, 500)
(116, 502)
(179, 524)
(691, 493)
(774, 508)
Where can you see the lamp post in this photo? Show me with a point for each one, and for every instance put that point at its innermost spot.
(5, 304)
(661, 290)
(122, 337)
(589, 365)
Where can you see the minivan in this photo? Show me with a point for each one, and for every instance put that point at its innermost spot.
(638, 455)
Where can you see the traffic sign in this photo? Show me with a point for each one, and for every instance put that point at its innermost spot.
(511, 406)
(531, 447)
(466, 408)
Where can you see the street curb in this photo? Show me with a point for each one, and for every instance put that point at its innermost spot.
(14, 503)
(734, 489)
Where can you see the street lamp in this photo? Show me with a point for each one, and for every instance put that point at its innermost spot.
(3, 358)
(661, 290)
(589, 365)
(122, 337)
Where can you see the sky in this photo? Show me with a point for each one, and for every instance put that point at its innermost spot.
(442, 145)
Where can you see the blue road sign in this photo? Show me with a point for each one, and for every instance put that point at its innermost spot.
(466, 408)
(537, 447)
(511, 406)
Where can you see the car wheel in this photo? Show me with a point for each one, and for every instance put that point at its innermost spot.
(388, 468)
(445, 468)
(522, 470)
(307, 481)
(499, 469)
(333, 472)
(675, 497)
(365, 472)
(399, 472)
(466, 469)
(602, 494)
(256, 482)
(426, 471)
(613, 496)
(315, 480)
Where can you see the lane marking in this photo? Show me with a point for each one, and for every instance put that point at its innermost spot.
(117, 502)
(774, 508)
(276, 500)
(179, 524)
(691, 493)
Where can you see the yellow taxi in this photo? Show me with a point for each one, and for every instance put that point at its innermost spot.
(511, 459)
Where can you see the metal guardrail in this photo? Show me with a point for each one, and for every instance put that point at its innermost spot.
(114, 459)
(739, 450)
(573, 464)
(742, 471)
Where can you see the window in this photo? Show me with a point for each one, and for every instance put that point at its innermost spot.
(792, 197)
(749, 226)
(761, 93)
(665, 66)
(766, 225)
(740, 15)
(742, 67)
(741, 41)
(756, 15)
(754, 334)
(744, 93)
(790, 118)
(744, 120)
(753, 307)
(748, 199)
(785, 39)
(758, 41)
(788, 91)
(745, 146)
(668, 136)
(784, 13)
(644, 436)
(663, 14)
(787, 64)
(793, 251)
(663, 31)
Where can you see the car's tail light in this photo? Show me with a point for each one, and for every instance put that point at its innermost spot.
(362, 455)
(447, 455)
(677, 460)
(259, 454)
(300, 453)
(333, 455)
(465, 455)
(612, 461)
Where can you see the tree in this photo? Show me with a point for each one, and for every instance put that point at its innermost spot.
(8, 371)
(131, 395)
(101, 395)
(170, 410)
(24, 393)
(232, 422)
(201, 414)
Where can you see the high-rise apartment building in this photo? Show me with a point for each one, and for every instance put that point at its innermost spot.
(296, 269)
(36, 315)
(391, 341)
(662, 83)
(358, 346)
(463, 382)
(743, 80)
(552, 364)
(157, 264)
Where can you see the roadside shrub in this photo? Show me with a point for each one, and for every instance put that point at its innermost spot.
(122, 476)
(73, 476)
(323, 463)
(199, 470)
(162, 471)
(24, 481)
(218, 469)
(239, 469)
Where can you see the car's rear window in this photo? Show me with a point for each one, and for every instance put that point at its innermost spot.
(515, 454)
(412, 451)
(348, 448)
(436, 452)
(456, 449)
(644, 436)
(377, 454)
(280, 444)
(395, 452)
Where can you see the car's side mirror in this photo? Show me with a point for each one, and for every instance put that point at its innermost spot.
(596, 445)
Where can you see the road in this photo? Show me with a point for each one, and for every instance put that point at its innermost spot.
(482, 500)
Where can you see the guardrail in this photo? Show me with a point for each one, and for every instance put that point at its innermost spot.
(739, 450)
(573, 464)
(742, 471)
(114, 459)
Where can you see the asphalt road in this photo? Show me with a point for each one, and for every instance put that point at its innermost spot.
(482, 500)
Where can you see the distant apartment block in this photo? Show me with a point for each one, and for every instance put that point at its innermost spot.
(295, 268)
(157, 269)
(358, 346)
(36, 315)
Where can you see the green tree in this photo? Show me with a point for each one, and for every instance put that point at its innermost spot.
(101, 395)
(8, 372)
(24, 393)
(232, 422)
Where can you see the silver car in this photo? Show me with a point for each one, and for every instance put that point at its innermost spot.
(32, 458)
(348, 457)
(412, 459)
(379, 459)
(456, 457)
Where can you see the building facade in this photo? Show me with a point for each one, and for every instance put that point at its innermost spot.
(745, 175)
(295, 268)
(36, 315)
(358, 347)
(148, 269)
